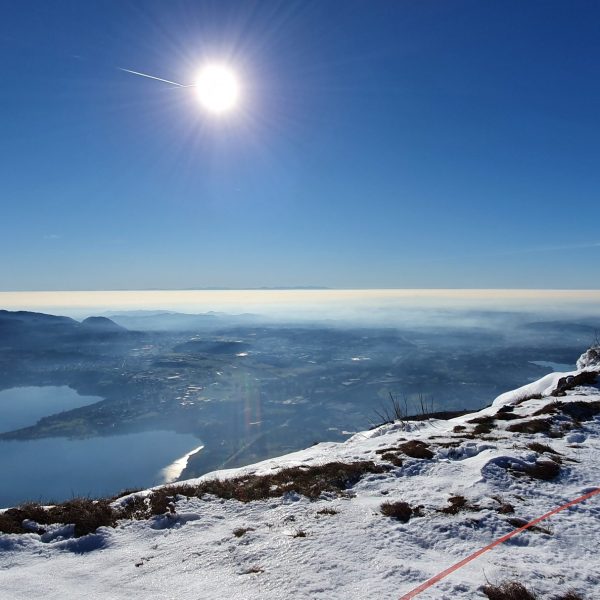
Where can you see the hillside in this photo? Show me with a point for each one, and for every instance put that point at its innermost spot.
(249, 533)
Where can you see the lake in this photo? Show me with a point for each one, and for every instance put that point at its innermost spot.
(316, 365)
(24, 406)
(55, 469)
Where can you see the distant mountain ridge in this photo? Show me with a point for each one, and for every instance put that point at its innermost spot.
(102, 324)
(32, 331)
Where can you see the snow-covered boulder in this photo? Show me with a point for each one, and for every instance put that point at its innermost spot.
(590, 358)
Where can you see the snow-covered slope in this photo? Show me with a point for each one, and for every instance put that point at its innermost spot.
(341, 545)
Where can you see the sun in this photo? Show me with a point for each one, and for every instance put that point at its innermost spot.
(218, 88)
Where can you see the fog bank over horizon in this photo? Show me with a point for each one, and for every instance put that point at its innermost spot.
(375, 306)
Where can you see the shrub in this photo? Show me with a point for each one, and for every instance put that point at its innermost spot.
(240, 531)
(393, 458)
(581, 411)
(518, 522)
(526, 397)
(393, 411)
(486, 420)
(543, 469)
(482, 429)
(416, 449)
(328, 511)
(531, 426)
(506, 416)
(541, 448)
(299, 534)
(397, 510)
(457, 503)
(87, 515)
(505, 508)
(511, 590)
(549, 409)
(569, 595)
(11, 521)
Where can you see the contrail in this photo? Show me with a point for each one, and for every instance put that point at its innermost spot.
(153, 77)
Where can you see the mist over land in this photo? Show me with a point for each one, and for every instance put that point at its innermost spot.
(252, 374)
(363, 305)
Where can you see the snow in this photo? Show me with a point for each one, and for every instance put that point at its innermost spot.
(357, 552)
(590, 358)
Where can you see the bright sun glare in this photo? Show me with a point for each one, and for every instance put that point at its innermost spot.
(218, 88)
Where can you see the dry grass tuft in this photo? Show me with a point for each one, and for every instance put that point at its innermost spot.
(518, 522)
(87, 515)
(569, 595)
(482, 428)
(241, 531)
(393, 458)
(527, 397)
(416, 449)
(299, 534)
(400, 510)
(457, 504)
(510, 590)
(505, 508)
(549, 409)
(531, 426)
(485, 420)
(506, 416)
(327, 511)
(252, 571)
(580, 411)
(84, 514)
(545, 470)
(541, 448)
(513, 590)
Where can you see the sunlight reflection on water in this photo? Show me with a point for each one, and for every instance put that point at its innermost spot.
(173, 471)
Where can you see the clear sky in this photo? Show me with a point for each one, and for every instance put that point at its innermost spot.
(376, 144)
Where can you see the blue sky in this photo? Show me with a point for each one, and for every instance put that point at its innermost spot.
(377, 144)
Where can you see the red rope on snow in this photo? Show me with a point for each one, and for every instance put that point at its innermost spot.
(464, 561)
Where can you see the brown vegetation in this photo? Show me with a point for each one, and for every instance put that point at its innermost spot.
(482, 428)
(545, 470)
(510, 590)
(87, 515)
(393, 458)
(517, 522)
(400, 510)
(541, 448)
(327, 511)
(531, 426)
(457, 504)
(513, 590)
(505, 508)
(84, 514)
(416, 449)
(526, 397)
(240, 531)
